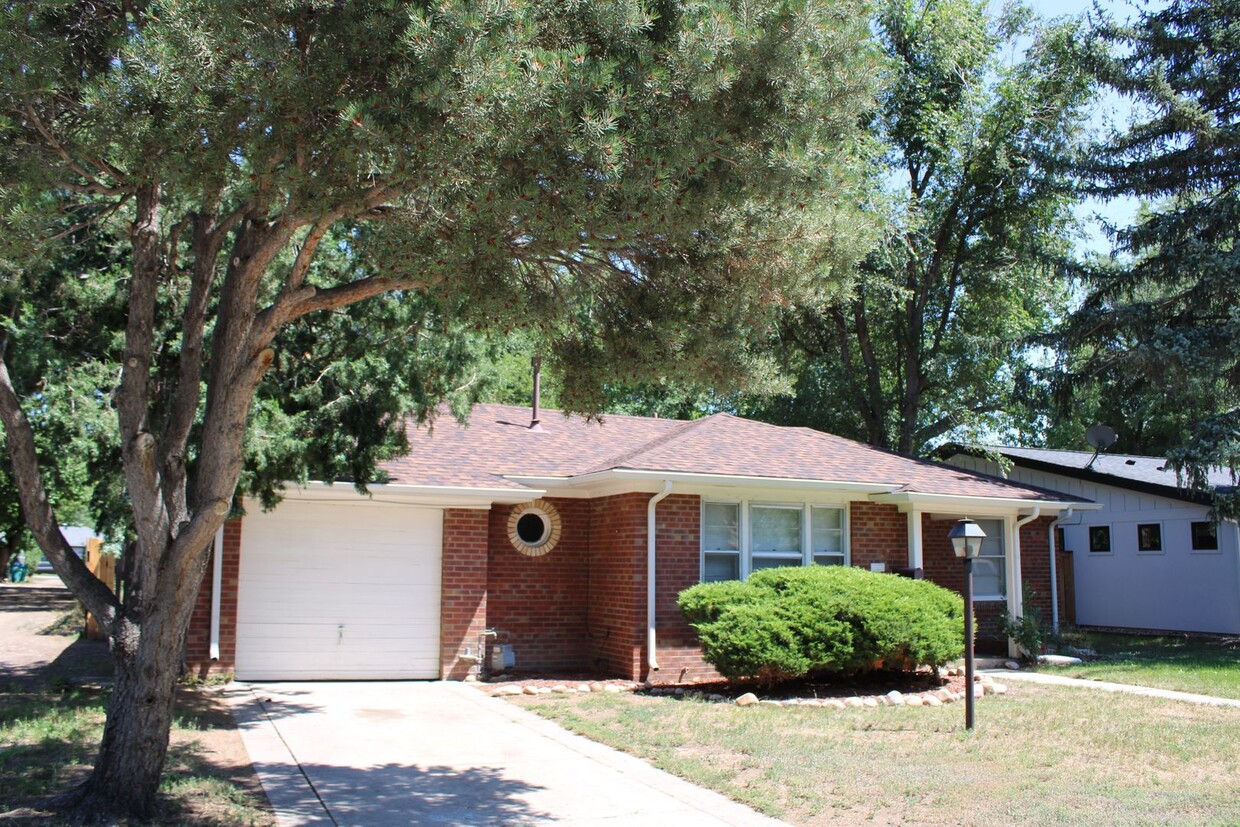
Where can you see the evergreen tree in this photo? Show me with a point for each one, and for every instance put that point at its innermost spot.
(1161, 322)
(641, 182)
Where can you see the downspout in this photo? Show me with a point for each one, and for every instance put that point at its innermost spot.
(1054, 571)
(651, 660)
(1016, 580)
(217, 577)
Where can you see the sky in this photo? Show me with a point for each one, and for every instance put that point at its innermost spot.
(1111, 111)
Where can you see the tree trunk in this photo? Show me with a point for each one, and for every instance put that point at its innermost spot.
(148, 655)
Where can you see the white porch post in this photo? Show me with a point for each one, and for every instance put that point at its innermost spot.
(1011, 547)
(914, 540)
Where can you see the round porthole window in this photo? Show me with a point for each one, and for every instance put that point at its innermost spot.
(534, 528)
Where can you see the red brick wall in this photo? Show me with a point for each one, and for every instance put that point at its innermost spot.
(540, 602)
(678, 524)
(198, 640)
(943, 567)
(616, 611)
(464, 590)
(878, 533)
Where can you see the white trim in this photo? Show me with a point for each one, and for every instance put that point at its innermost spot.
(915, 548)
(598, 478)
(908, 500)
(1162, 538)
(440, 496)
(745, 552)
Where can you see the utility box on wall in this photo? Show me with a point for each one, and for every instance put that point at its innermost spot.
(501, 657)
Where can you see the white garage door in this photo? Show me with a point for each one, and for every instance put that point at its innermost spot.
(332, 591)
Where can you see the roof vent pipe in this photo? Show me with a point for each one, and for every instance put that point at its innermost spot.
(536, 363)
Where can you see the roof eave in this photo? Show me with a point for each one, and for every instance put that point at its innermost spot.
(459, 496)
(921, 501)
(612, 475)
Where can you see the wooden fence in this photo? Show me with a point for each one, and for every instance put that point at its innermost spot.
(102, 566)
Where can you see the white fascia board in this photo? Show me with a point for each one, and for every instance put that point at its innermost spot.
(630, 479)
(913, 500)
(447, 496)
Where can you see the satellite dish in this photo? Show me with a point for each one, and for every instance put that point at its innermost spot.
(1101, 437)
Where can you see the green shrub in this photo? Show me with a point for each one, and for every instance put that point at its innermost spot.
(791, 622)
(1029, 631)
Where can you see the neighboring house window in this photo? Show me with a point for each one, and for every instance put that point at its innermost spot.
(990, 567)
(1100, 538)
(1149, 536)
(771, 535)
(721, 542)
(1205, 536)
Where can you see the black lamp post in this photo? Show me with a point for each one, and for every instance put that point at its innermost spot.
(966, 537)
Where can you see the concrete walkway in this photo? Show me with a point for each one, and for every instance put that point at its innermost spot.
(443, 753)
(1002, 675)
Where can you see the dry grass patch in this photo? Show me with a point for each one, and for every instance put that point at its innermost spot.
(1045, 756)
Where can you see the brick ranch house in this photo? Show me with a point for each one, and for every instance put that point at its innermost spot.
(543, 534)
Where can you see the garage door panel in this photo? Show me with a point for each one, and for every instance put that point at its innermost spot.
(339, 592)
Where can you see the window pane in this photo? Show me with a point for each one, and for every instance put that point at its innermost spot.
(718, 567)
(721, 527)
(776, 529)
(1100, 538)
(988, 577)
(829, 559)
(1149, 537)
(828, 529)
(1205, 536)
(992, 545)
(774, 562)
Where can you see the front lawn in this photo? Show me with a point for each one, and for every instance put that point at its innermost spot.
(1205, 665)
(48, 739)
(1040, 756)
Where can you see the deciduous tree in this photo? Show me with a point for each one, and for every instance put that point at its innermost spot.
(643, 180)
(933, 336)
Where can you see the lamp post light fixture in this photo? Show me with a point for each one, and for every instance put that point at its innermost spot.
(966, 537)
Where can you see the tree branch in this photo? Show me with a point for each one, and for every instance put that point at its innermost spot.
(38, 512)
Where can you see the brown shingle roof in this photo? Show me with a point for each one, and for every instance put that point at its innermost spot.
(496, 442)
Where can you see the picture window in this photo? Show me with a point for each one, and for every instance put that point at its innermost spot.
(740, 538)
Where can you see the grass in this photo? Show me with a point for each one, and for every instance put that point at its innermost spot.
(1040, 756)
(48, 740)
(1207, 666)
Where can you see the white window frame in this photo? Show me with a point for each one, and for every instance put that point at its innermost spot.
(1218, 541)
(1089, 547)
(741, 530)
(1162, 537)
(745, 522)
(1002, 556)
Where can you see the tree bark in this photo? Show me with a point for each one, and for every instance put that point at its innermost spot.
(131, 757)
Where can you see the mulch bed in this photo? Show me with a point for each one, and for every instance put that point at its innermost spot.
(873, 684)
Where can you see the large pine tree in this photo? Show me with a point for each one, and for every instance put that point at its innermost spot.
(1162, 319)
(638, 178)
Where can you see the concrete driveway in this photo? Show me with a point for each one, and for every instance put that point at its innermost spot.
(411, 753)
